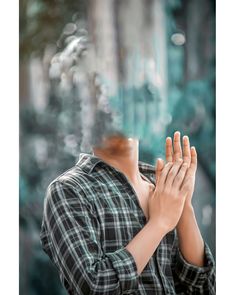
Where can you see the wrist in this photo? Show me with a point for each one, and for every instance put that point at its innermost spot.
(188, 212)
(158, 226)
(188, 209)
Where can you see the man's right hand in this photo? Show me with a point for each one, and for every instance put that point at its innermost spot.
(166, 204)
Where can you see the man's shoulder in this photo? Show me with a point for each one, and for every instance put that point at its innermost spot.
(73, 177)
(72, 183)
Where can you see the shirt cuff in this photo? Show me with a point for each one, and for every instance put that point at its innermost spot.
(193, 275)
(124, 264)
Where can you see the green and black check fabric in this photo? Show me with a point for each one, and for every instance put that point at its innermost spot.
(91, 212)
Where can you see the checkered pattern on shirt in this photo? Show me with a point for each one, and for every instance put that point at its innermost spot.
(91, 213)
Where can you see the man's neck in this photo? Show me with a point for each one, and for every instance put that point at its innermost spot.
(123, 154)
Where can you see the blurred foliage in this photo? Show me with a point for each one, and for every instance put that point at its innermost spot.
(42, 21)
(192, 94)
(51, 137)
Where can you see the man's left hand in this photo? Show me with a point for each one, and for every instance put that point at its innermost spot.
(189, 155)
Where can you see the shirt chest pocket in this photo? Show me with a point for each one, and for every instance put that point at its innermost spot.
(118, 227)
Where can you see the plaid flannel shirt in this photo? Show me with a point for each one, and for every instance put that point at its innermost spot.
(91, 212)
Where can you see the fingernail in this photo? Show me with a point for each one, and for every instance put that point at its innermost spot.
(158, 161)
(177, 132)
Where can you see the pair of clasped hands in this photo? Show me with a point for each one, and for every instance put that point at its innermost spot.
(175, 181)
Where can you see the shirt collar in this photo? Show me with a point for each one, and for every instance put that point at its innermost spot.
(87, 162)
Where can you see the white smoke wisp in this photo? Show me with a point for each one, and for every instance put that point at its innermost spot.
(74, 70)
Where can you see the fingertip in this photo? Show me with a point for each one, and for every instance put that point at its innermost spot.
(193, 155)
(185, 138)
(193, 149)
(177, 133)
(159, 162)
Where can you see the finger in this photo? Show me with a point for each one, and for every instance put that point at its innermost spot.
(159, 167)
(169, 150)
(193, 164)
(163, 175)
(186, 150)
(177, 146)
(191, 170)
(186, 187)
(173, 172)
(180, 176)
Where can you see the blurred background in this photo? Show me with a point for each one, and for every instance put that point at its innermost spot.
(143, 67)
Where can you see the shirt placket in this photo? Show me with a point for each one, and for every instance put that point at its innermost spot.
(129, 188)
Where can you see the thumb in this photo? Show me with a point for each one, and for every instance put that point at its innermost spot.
(159, 166)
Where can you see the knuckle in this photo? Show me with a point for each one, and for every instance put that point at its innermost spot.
(185, 165)
(166, 190)
(178, 177)
(179, 161)
(186, 187)
(171, 174)
(189, 186)
(169, 165)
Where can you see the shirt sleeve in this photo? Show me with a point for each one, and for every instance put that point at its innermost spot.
(74, 233)
(191, 278)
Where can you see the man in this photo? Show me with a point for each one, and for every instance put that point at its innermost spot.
(115, 225)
